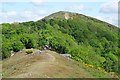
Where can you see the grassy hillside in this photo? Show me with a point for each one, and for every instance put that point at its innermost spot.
(87, 39)
(48, 64)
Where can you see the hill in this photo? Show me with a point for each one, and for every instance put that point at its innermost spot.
(87, 39)
(48, 64)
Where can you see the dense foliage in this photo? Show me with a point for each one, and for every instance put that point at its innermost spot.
(86, 39)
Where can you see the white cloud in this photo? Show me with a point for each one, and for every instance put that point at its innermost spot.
(110, 11)
(57, 0)
(110, 19)
(6, 13)
(109, 7)
(8, 16)
(37, 2)
(80, 7)
(32, 15)
(42, 12)
(26, 15)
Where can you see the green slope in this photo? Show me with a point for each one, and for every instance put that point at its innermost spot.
(87, 39)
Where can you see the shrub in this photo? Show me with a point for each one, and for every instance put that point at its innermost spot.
(29, 51)
(17, 46)
(28, 41)
(6, 50)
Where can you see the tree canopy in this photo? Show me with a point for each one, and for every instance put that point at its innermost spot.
(87, 39)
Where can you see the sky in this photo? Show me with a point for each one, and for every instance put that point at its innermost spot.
(33, 10)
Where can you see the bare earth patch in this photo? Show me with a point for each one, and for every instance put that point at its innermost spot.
(46, 64)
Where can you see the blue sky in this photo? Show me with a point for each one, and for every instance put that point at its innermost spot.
(21, 11)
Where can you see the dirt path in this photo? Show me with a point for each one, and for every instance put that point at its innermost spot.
(38, 67)
(51, 57)
(46, 64)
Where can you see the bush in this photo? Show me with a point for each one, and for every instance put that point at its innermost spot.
(29, 51)
(17, 46)
(6, 50)
(28, 41)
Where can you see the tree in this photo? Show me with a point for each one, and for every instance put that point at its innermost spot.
(28, 41)
(6, 50)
